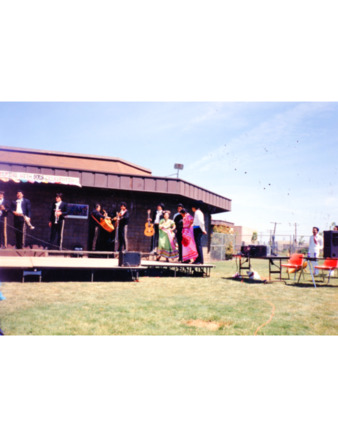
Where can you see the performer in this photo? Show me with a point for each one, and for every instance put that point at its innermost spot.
(122, 221)
(189, 251)
(21, 208)
(4, 208)
(157, 217)
(199, 230)
(57, 221)
(94, 227)
(178, 219)
(167, 246)
(315, 246)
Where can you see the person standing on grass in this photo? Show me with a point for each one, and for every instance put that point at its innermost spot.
(199, 230)
(315, 246)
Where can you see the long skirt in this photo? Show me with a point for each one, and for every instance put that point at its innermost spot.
(167, 245)
(189, 251)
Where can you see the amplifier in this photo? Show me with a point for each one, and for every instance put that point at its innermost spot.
(330, 244)
(129, 259)
(254, 251)
(258, 251)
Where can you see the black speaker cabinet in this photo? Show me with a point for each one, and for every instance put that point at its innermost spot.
(129, 259)
(254, 251)
(330, 244)
(258, 251)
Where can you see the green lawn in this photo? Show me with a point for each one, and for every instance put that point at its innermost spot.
(171, 306)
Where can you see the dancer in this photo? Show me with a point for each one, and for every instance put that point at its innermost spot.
(167, 246)
(189, 251)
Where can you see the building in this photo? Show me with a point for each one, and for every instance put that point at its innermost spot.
(87, 179)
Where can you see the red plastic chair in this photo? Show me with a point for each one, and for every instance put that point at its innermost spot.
(330, 264)
(295, 262)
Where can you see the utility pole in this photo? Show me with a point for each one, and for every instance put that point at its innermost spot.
(296, 224)
(273, 238)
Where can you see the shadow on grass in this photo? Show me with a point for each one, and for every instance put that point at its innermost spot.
(247, 280)
(288, 284)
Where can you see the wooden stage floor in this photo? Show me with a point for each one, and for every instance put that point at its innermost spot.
(19, 268)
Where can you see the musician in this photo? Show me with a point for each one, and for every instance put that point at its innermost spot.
(20, 208)
(95, 228)
(57, 221)
(157, 217)
(4, 208)
(123, 220)
(178, 219)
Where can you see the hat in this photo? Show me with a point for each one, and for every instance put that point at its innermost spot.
(180, 205)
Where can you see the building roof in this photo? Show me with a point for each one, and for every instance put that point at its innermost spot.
(71, 161)
(108, 173)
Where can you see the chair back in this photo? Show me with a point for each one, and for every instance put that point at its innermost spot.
(296, 259)
(332, 263)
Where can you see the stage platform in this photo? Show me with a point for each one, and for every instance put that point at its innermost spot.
(78, 266)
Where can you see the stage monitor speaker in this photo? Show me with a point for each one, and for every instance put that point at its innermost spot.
(258, 251)
(129, 259)
(330, 244)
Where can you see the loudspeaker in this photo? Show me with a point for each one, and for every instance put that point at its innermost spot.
(245, 250)
(129, 259)
(258, 251)
(254, 251)
(330, 244)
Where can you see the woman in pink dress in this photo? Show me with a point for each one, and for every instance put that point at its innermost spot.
(189, 251)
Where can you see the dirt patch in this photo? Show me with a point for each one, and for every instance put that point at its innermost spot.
(207, 324)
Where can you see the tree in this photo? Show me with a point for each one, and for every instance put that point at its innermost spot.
(254, 237)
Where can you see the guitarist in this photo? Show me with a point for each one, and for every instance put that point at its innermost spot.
(94, 227)
(20, 207)
(57, 221)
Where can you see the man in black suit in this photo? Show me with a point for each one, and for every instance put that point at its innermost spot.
(4, 208)
(123, 218)
(20, 208)
(57, 221)
(178, 219)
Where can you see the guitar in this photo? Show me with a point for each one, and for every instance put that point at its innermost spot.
(105, 222)
(149, 230)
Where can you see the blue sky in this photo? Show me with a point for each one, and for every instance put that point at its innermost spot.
(276, 161)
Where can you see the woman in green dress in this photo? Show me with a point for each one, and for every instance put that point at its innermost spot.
(167, 246)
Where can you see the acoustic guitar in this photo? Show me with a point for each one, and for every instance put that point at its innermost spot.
(105, 222)
(149, 230)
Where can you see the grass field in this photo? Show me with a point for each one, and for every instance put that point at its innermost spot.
(217, 305)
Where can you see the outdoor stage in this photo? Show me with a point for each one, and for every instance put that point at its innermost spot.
(44, 265)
